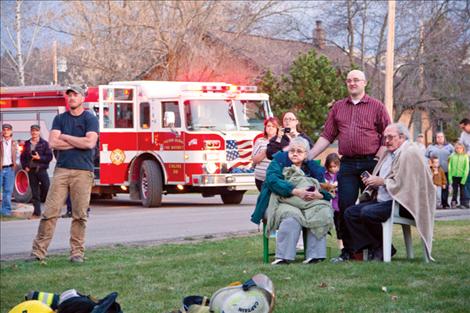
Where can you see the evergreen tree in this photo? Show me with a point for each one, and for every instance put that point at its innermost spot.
(312, 84)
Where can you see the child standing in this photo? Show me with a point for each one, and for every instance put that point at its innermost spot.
(332, 164)
(458, 173)
(438, 177)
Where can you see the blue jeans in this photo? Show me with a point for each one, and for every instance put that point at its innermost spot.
(7, 179)
(349, 185)
(467, 190)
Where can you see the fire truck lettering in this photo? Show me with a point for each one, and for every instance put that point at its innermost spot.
(173, 140)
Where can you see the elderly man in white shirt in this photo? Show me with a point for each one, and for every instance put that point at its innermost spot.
(364, 220)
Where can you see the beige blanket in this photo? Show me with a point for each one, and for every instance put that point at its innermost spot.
(410, 184)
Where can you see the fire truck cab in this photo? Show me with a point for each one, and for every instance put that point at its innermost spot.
(156, 137)
(161, 137)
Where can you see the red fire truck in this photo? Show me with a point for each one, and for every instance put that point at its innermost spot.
(156, 137)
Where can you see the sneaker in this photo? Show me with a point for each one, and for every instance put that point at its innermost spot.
(313, 260)
(280, 262)
(76, 259)
(453, 205)
(67, 215)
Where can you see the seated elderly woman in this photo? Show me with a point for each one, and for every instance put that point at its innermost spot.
(288, 203)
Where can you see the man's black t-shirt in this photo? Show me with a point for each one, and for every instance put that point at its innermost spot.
(78, 126)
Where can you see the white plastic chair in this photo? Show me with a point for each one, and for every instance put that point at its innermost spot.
(387, 231)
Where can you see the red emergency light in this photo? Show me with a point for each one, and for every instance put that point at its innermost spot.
(220, 88)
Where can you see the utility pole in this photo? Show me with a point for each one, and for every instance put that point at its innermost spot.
(54, 62)
(389, 58)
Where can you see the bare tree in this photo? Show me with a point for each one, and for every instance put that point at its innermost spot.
(430, 67)
(20, 29)
(166, 40)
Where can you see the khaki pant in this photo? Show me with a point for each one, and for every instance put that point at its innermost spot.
(79, 183)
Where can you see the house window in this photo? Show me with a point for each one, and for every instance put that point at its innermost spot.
(417, 123)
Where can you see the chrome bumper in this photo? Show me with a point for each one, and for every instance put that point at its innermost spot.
(233, 181)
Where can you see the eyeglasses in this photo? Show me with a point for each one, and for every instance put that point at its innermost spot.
(288, 119)
(297, 151)
(354, 80)
(390, 137)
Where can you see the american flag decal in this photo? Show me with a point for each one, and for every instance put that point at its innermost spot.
(239, 153)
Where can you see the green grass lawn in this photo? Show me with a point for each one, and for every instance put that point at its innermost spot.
(155, 279)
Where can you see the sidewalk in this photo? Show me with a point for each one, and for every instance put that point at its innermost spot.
(24, 210)
(21, 210)
(452, 215)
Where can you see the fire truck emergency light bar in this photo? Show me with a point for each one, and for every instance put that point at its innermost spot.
(219, 88)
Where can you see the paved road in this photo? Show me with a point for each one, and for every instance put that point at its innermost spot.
(122, 221)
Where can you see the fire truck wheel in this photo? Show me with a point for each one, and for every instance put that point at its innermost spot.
(150, 184)
(232, 197)
(21, 190)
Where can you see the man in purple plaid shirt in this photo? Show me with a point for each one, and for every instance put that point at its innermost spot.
(358, 123)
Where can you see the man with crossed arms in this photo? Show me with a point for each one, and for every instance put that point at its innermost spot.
(74, 134)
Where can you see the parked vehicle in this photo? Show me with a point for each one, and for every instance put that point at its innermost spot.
(156, 137)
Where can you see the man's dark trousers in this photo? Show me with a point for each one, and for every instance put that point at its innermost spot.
(349, 185)
(37, 177)
(364, 222)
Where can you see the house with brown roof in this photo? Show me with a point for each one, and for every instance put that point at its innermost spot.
(244, 58)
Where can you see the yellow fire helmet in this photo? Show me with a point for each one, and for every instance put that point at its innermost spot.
(31, 306)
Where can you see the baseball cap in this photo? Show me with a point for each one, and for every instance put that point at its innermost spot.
(76, 89)
(35, 126)
(6, 125)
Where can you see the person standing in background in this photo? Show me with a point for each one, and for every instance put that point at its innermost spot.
(332, 165)
(420, 143)
(289, 131)
(465, 140)
(35, 159)
(439, 178)
(358, 122)
(442, 150)
(260, 161)
(8, 160)
(459, 169)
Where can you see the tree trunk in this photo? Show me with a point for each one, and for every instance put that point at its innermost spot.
(350, 32)
(19, 52)
(363, 31)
